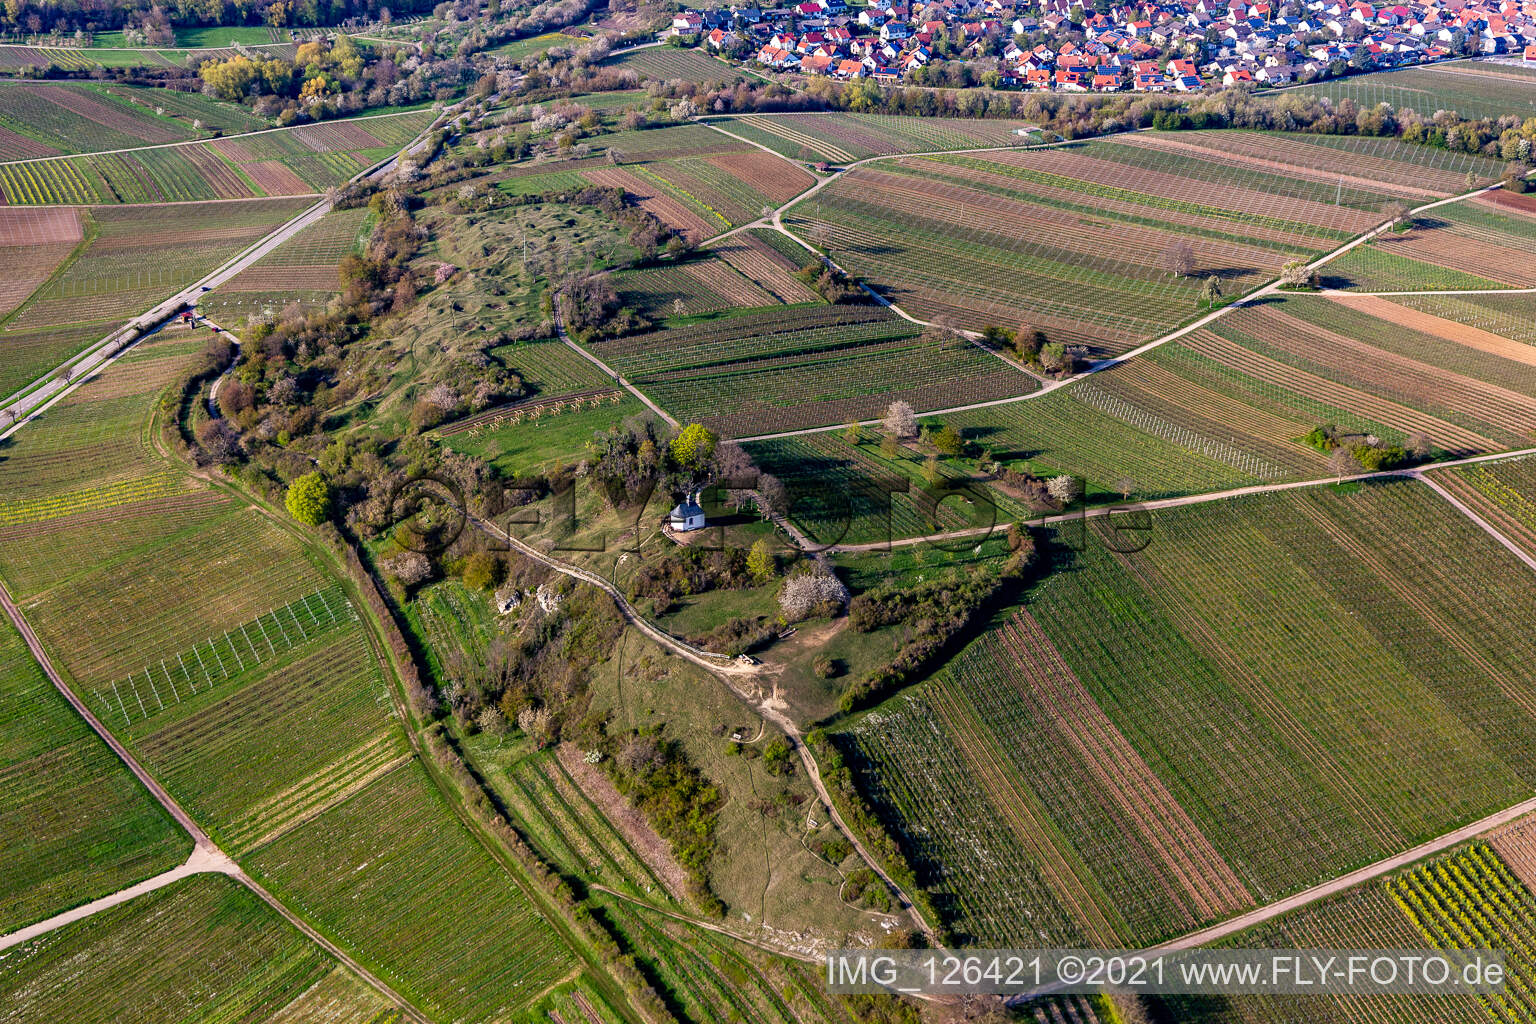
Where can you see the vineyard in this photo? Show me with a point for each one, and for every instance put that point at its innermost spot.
(1504, 492)
(1106, 438)
(29, 355)
(1411, 670)
(464, 943)
(204, 948)
(665, 63)
(565, 825)
(292, 161)
(82, 119)
(35, 243)
(753, 254)
(1364, 917)
(136, 258)
(190, 107)
(80, 825)
(1469, 88)
(1468, 391)
(689, 288)
(1075, 241)
(1508, 316)
(854, 494)
(544, 432)
(842, 138)
(712, 979)
(302, 270)
(806, 366)
(1481, 243)
(1471, 901)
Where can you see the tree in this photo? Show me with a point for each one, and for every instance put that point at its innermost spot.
(900, 420)
(810, 592)
(1402, 216)
(309, 499)
(889, 446)
(535, 724)
(491, 721)
(410, 568)
(760, 561)
(851, 433)
(1028, 341)
(948, 440)
(1343, 463)
(773, 494)
(1179, 258)
(1125, 485)
(1065, 489)
(693, 446)
(1210, 291)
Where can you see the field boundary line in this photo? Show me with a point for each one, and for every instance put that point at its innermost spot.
(1160, 504)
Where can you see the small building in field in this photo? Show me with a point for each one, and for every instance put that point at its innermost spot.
(687, 515)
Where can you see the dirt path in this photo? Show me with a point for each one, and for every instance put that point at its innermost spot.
(1334, 886)
(1048, 386)
(610, 371)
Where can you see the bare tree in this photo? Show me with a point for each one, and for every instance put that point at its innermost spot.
(1125, 485)
(1402, 216)
(1419, 446)
(1179, 258)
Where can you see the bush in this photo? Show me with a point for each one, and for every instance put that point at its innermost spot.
(309, 499)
